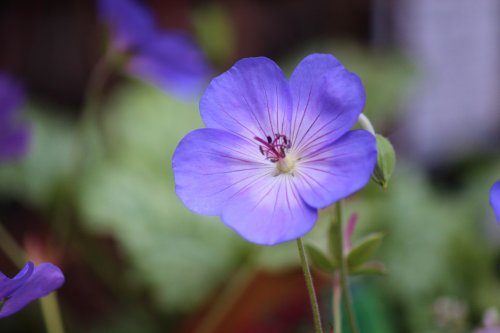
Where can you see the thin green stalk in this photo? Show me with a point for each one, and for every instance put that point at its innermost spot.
(310, 286)
(227, 299)
(52, 313)
(50, 306)
(343, 270)
(95, 87)
(366, 123)
(337, 312)
(10, 247)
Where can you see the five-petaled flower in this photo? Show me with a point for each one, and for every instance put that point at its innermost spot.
(275, 150)
(14, 135)
(170, 60)
(28, 285)
(495, 199)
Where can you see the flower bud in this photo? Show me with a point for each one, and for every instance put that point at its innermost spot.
(386, 160)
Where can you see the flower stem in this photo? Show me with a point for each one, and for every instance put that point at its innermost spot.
(366, 123)
(10, 247)
(95, 87)
(52, 313)
(49, 304)
(226, 299)
(337, 311)
(343, 270)
(310, 286)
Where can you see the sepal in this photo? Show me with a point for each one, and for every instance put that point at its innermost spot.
(386, 160)
(364, 250)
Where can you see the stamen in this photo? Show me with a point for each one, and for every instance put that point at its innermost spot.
(274, 149)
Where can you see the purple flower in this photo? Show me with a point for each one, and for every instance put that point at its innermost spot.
(169, 60)
(275, 150)
(28, 285)
(495, 199)
(14, 135)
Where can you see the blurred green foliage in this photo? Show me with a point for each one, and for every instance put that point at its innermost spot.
(130, 194)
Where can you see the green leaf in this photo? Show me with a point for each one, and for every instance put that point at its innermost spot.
(364, 250)
(319, 260)
(369, 268)
(386, 160)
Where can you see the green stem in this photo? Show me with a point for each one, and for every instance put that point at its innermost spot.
(10, 247)
(49, 304)
(366, 123)
(343, 269)
(337, 312)
(95, 87)
(310, 286)
(52, 313)
(226, 300)
(91, 125)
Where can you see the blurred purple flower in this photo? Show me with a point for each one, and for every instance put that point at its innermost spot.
(275, 150)
(28, 285)
(495, 199)
(170, 60)
(491, 322)
(14, 135)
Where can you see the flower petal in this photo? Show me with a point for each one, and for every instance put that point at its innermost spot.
(131, 24)
(211, 165)
(8, 286)
(14, 142)
(11, 99)
(45, 279)
(327, 99)
(337, 170)
(495, 199)
(250, 99)
(173, 62)
(270, 211)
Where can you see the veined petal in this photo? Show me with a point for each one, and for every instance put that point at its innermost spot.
(337, 170)
(327, 99)
(45, 279)
(130, 23)
(270, 211)
(173, 62)
(212, 165)
(251, 99)
(8, 286)
(495, 199)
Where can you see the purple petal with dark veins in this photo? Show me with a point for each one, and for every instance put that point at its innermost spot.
(269, 211)
(337, 170)
(327, 100)
(250, 99)
(212, 165)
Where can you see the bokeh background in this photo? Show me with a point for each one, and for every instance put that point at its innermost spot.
(136, 260)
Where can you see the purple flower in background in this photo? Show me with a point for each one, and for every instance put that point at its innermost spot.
(14, 135)
(275, 150)
(170, 60)
(491, 322)
(28, 285)
(495, 199)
